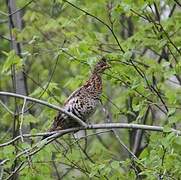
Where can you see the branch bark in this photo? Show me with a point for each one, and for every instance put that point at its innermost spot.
(91, 126)
(46, 104)
(15, 21)
(18, 78)
(56, 134)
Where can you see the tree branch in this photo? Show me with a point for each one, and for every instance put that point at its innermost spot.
(46, 104)
(35, 149)
(56, 134)
(99, 20)
(27, 4)
(93, 126)
(178, 3)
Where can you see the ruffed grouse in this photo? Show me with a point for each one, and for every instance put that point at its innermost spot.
(82, 102)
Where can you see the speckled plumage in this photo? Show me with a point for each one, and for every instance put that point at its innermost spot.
(83, 101)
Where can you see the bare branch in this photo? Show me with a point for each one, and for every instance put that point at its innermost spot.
(35, 149)
(3, 162)
(178, 3)
(39, 146)
(28, 3)
(100, 20)
(22, 117)
(16, 170)
(85, 126)
(3, 37)
(46, 104)
(5, 107)
(94, 126)
(109, 120)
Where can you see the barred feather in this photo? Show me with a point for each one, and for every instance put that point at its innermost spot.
(82, 102)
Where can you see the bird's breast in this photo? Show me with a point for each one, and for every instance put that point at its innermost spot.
(94, 85)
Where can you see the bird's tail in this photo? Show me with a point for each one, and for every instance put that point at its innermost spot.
(50, 130)
(45, 136)
(56, 125)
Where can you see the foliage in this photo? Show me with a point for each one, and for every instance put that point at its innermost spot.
(60, 42)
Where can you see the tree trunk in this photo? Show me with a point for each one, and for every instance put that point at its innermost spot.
(18, 78)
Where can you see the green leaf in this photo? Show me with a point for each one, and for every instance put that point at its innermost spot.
(115, 165)
(144, 153)
(167, 128)
(178, 140)
(12, 59)
(29, 119)
(171, 111)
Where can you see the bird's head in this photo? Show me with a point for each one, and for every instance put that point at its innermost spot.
(101, 66)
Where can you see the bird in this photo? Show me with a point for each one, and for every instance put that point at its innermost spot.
(82, 102)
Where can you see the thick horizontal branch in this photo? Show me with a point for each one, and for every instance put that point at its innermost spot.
(53, 135)
(44, 103)
(94, 126)
(118, 126)
(56, 134)
(60, 133)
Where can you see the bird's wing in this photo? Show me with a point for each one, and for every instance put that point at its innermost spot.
(74, 94)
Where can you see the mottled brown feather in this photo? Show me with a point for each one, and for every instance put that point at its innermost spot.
(83, 101)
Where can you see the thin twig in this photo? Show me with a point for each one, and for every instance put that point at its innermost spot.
(3, 37)
(21, 8)
(116, 134)
(15, 171)
(122, 144)
(1, 172)
(47, 85)
(21, 122)
(178, 3)
(11, 112)
(3, 161)
(3, 13)
(101, 21)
